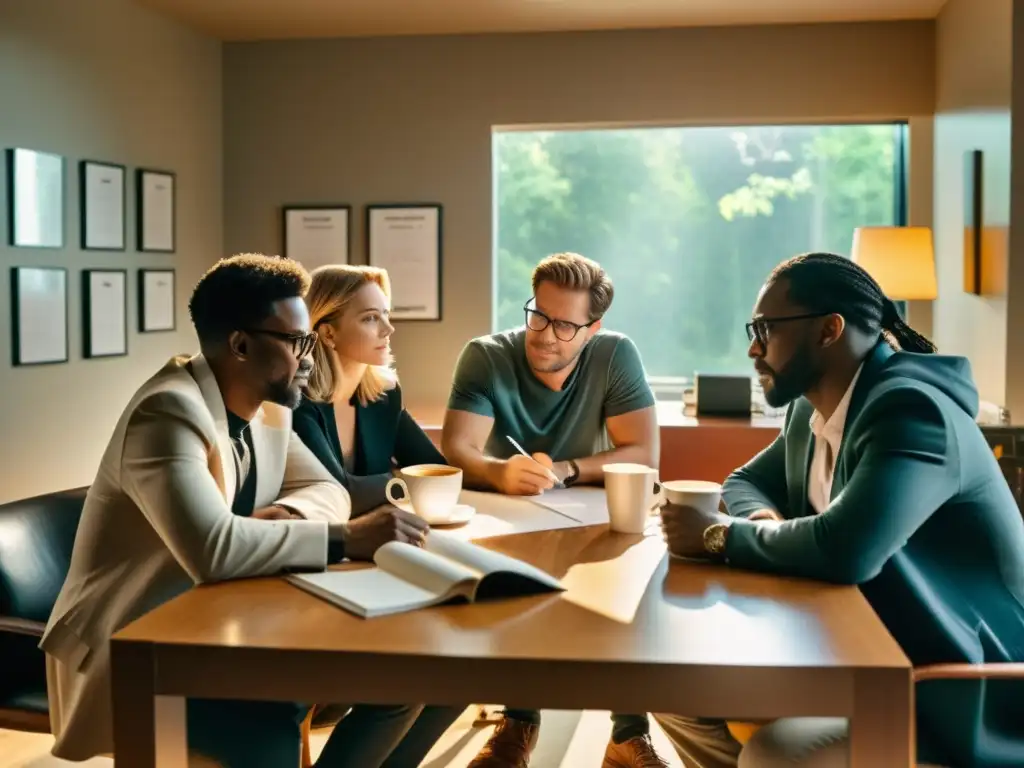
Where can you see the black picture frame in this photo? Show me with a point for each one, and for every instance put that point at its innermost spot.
(15, 238)
(83, 206)
(89, 350)
(143, 326)
(20, 357)
(974, 223)
(399, 313)
(143, 238)
(319, 259)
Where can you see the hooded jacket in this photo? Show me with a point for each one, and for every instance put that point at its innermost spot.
(922, 520)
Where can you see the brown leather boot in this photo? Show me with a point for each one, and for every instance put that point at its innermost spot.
(637, 752)
(509, 746)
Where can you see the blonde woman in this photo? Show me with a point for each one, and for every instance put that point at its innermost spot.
(352, 418)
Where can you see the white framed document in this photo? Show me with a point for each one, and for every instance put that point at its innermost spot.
(101, 205)
(406, 241)
(39, 315)
(104, 312)
(315, 235)
(35, 198)
(156, 300)
(155, 206)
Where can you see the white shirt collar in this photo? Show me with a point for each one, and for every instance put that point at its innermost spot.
(832, 429)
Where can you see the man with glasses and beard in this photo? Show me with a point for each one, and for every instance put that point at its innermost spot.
(202, 481)
(575, 397)
(881, 478)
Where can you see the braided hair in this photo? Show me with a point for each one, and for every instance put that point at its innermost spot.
(826, 282)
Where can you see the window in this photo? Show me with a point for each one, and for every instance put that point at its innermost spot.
(687, 221)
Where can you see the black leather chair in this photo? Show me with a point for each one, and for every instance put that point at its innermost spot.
(36, 538)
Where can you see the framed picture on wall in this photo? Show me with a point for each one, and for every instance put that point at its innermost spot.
(101, 205)
(405, 239)
(104, 313)
(155, 210)
(156, 300)
(35, 199)
(316, 235)
(39, 315)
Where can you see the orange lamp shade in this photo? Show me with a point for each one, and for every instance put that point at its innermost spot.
(900, 259)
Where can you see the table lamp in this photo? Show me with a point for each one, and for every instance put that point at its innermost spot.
(900, 259)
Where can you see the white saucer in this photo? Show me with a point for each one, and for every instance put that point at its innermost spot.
(461, 514)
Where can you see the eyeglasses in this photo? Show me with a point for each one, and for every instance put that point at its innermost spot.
(564, 329)
(757, 330)
(301, 343)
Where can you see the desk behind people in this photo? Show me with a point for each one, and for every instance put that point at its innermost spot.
(705, 448)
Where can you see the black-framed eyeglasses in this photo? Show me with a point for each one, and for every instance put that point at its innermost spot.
(757, 329)
(302, 343)
(564, 329)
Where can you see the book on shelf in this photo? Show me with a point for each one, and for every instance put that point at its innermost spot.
(407, 578)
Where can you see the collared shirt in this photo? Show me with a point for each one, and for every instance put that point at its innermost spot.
(828, 436)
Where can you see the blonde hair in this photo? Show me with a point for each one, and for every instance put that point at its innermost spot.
(577, 273)
(330, 291)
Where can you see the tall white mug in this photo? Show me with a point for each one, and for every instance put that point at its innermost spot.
(633, 493)
(699, 494)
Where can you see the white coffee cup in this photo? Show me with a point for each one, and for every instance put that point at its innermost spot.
(430, 490)
(633, 493)
(699, 494)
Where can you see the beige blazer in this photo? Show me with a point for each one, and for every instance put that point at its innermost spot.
(157, 521)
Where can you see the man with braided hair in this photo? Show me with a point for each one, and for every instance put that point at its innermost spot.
(881, 478)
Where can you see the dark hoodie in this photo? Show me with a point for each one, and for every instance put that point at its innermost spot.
(923, 521)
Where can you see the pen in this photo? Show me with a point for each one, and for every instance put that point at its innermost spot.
(519, 448)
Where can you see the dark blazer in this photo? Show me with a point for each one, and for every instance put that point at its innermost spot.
(386, 436)
(923, 521)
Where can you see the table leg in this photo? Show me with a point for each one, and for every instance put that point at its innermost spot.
(149, 730)
(882, 726)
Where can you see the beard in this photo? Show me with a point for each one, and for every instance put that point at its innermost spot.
(288, 392)
(799, 375)
(554, 364)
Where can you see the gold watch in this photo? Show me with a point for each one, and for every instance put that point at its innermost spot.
(714, 538)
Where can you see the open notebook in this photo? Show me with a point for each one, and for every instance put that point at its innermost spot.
(408, 577)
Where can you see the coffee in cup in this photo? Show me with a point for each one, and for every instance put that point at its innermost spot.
(430, 490)
(633, 493)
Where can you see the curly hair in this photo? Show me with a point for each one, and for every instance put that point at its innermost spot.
(238, 292)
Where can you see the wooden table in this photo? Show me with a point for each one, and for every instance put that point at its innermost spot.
(635, 632)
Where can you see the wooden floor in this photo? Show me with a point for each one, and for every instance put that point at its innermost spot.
(568, 740)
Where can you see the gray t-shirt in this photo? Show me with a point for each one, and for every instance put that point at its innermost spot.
(493, 379)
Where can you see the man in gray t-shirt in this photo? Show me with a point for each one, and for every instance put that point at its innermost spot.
(576, 398)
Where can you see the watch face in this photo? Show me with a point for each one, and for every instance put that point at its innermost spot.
(714, 539)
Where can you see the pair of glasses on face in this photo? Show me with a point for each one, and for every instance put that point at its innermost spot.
(759, 328)
(564, 329)
(301, 343)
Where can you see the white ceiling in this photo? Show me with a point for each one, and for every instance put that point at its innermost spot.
(278, 19)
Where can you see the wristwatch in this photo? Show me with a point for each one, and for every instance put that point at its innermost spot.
(573, 475)
(714, 538)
